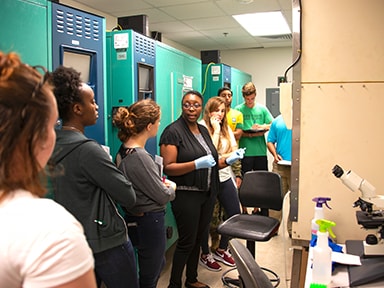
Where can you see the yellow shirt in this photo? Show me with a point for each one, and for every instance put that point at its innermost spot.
(235, 119)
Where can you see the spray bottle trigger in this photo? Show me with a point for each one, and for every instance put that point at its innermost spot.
(326, 225)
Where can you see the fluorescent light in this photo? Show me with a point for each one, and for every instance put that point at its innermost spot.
(264, 24)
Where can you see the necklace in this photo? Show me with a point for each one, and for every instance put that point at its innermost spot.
(71, 128)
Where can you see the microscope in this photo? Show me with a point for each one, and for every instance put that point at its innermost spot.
(368, 217)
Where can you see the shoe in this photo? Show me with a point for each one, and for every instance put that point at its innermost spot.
(256, 212)
(196, 284)
(209, 263)
(224, 257)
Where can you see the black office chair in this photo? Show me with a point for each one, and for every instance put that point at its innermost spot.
(250, 273)
(259, 189)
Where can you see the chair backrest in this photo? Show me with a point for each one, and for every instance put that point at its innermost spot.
(261, 189)
(251, 275)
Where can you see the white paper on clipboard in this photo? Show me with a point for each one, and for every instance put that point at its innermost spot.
(159, 162)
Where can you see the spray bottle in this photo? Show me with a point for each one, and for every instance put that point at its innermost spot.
(322, 254)
(319, 214)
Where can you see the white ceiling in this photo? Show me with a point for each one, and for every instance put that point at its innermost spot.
(200, 24)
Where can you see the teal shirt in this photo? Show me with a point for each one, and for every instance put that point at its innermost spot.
(259, 114)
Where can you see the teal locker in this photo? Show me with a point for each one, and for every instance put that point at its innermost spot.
(25, 29)
(130, 77)
(238, 78)
(177, 72)
(120, 77)
(215, 76)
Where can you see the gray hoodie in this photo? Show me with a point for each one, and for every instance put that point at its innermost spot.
(88, 187)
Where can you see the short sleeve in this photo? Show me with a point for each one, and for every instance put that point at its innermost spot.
(170, 136)
(47, 249)
(64, 257)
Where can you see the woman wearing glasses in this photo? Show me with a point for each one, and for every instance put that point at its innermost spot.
(42, 245)
(90, 184)
(190, 161)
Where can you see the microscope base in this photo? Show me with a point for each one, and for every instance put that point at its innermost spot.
(374, 250)
(371, 269)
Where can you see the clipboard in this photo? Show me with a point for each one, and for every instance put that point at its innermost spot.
(254, 130)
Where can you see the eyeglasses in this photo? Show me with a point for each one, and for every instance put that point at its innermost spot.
(188, 105)
(44, 79)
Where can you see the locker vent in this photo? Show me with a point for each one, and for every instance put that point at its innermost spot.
(144, 46)
(77, 25)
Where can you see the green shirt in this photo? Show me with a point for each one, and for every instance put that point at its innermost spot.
(259, 114)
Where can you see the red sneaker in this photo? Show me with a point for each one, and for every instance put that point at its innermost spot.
(208, 262)
(224, 257)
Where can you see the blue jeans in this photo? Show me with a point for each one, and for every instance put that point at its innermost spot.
(229, 200)
(149, 238)
(116, 267)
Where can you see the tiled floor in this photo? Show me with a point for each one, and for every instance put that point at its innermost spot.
(275, 255)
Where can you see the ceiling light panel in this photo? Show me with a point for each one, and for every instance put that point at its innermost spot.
(264, 23)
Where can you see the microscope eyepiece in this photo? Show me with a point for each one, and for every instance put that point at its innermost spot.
(337, 171)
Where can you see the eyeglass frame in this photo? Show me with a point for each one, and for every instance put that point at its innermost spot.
(188, 105)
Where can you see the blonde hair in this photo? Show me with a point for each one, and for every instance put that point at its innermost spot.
(211, 106)
(248, 89)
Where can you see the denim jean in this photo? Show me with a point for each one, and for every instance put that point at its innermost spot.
(116, 267)
(149, 238)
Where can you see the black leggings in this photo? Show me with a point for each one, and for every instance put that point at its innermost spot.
(193, 212)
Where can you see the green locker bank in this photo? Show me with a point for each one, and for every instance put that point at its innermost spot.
(177, 73)
(25, 29)
(218, 75)
(130, 59)
(238, 79)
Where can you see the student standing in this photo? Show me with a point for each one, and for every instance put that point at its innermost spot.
(90, 183)
(42, 245)
(215, 120)
(279, 142)
(190, 161)
(234, 117)
(136, 125)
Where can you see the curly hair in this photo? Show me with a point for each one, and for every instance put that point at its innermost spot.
(25, 109)
(67, 86)
(134, 119)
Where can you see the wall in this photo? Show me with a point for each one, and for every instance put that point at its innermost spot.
(264, 64)
(341, 98)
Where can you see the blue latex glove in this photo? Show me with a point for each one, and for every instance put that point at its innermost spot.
(205, 162)
(236, 155)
